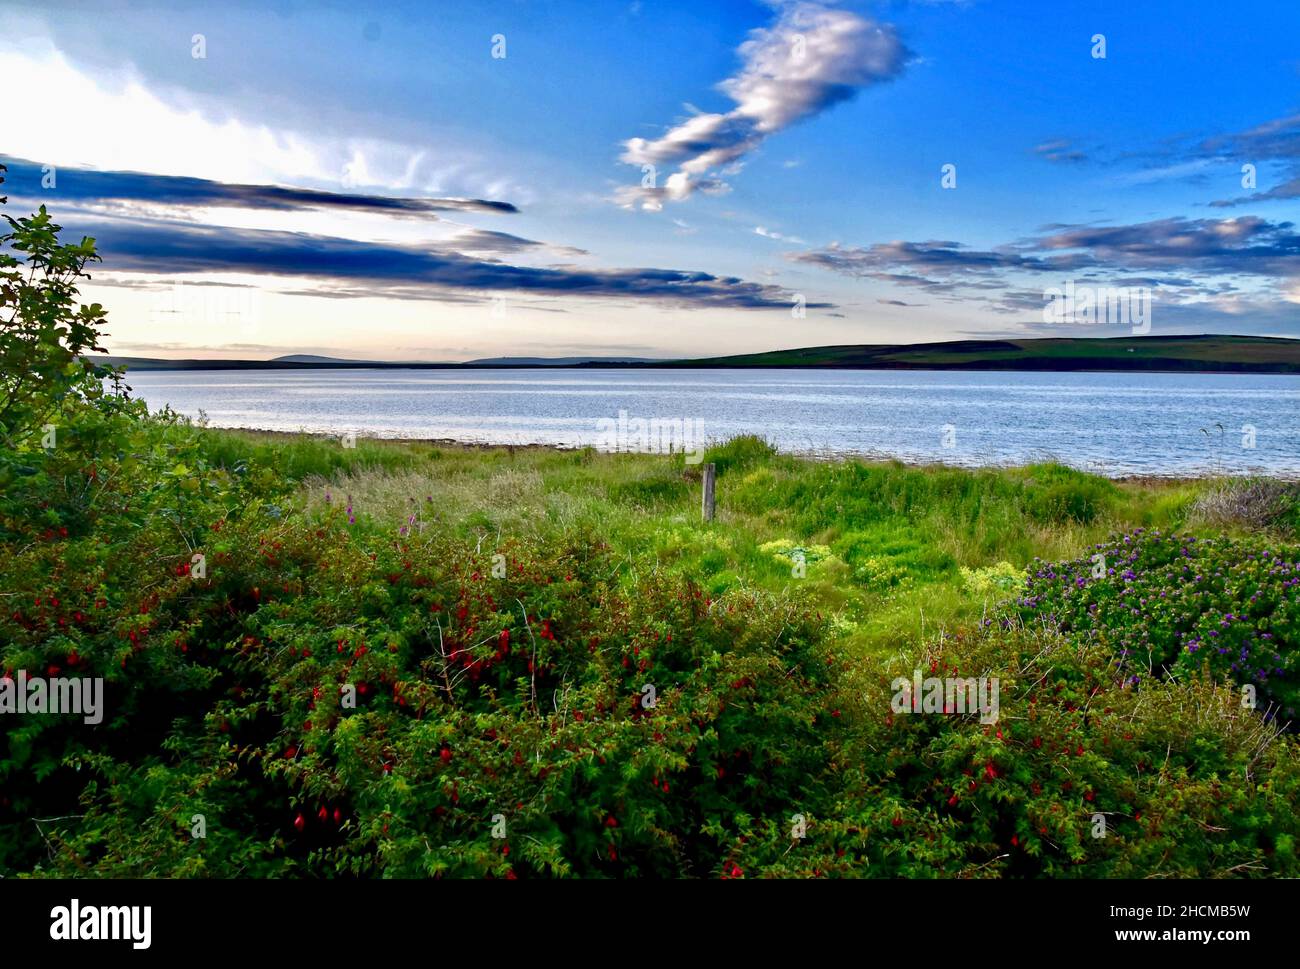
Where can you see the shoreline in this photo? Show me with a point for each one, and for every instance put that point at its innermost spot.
(1208, 474)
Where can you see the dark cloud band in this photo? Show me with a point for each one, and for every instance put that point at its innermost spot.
(84, 185)
(368, 268)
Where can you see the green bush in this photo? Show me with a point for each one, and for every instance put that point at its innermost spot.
(739, 453)
(944, 795)
(1056, 494)
(1170, 605)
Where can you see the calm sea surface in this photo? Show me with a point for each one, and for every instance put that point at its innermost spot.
(1116, 424)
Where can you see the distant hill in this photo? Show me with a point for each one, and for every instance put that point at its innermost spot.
(311, 361)
(556, 361)
(311, 358)
(1209, 353)
(1206, 353)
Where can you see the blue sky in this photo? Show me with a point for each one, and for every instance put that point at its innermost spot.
(369, 180)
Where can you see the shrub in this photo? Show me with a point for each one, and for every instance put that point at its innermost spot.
(945, 795)
(993, 582)
(521, 697)
(739, 453)
(1257, 503)
(44, 332)
(1168, 604)
(1056, 494)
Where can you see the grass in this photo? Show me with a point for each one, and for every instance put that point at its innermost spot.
(897, 538)
(772, 634)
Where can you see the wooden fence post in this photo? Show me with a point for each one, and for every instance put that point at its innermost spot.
(708, 504)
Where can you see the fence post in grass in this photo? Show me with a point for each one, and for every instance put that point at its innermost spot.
(707, 507)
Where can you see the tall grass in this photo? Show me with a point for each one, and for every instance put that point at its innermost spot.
(898, 536)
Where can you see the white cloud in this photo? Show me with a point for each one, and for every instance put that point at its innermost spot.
(779, 237)
(115, 121)
(813, 57)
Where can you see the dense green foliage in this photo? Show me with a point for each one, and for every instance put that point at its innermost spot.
(402, 660)
(1174, 605)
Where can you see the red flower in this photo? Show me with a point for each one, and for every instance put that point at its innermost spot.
(445, 754)
(299, 823)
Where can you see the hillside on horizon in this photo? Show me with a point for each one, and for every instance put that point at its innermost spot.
(1197, 353)
(1208, 353)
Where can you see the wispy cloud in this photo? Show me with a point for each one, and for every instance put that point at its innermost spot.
(812, 58)
(112, 119)
(1247, 245)
(772, 234)
(1060, 150)
(1191, 262)
(1277, 142)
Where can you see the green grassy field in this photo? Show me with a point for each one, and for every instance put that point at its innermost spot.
(497, 615)
(892, 551)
